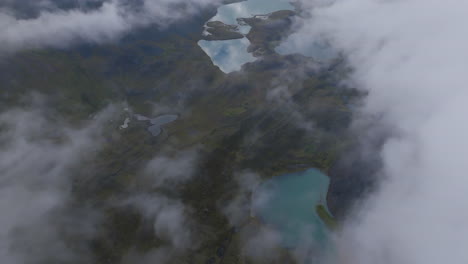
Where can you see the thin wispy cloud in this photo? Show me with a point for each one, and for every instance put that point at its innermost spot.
(39, 158)
(55, 27)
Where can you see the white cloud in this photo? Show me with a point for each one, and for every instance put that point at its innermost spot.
(58, 28)
(261, 243)
(238, 209)
(61, 28)
(170, 217)
(411, 57)
(169, 169)
(38, 158)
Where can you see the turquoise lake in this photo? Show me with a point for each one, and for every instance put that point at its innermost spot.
(287, 204)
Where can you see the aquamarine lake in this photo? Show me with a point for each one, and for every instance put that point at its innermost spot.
(287, 203)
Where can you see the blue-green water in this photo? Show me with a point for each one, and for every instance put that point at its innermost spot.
(287, 203)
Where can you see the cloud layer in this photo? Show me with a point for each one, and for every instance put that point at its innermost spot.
(38, 158)
(56, 27)
(411, 57)
(41, 157)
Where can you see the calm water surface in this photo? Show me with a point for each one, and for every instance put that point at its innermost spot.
(230, 55)
(287, 203)
(157, 123)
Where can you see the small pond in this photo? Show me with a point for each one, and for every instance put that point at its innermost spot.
(157, 123)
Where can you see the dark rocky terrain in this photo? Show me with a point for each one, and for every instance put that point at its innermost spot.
(233, 121)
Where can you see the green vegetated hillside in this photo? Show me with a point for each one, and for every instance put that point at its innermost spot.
(233, 119)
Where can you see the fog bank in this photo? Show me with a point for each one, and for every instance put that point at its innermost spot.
(410, 55)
